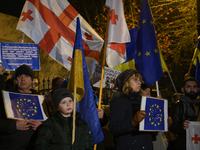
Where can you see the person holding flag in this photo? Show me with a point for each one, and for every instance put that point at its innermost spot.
(56, 131)
(185, 110)
(125, 114)
(18, 134)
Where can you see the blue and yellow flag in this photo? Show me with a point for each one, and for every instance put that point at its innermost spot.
(147, 55)
(197, 72)
(197, 55)
(85, 99)
(130, 54)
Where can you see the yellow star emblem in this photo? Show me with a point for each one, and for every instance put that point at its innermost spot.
(147, 53)
(151, 22)
(135, 51)
(144, 21)
(155, 50)
(139, 54)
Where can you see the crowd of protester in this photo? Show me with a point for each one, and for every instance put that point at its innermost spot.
(121, 118)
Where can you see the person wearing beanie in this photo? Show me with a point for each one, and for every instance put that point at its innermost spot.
(56, 131)
(18, 134)
(125, 114)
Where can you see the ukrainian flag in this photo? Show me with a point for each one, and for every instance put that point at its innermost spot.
(197, 52)
(79, 78)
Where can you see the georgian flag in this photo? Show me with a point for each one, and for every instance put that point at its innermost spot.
(52, 24)
(193, 136)
(118, 34)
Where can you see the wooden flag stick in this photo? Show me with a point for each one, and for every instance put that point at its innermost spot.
(102, 71)
(195, 51)
(104, 60)
(74, 117)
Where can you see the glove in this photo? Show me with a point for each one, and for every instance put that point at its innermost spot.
(138, 117)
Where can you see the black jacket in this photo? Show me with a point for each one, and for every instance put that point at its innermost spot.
(56, 134)
(10, 137)
(126, 136)
(181, 111)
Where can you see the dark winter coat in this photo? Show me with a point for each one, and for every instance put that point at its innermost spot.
(181, 111)
(126, 136)
(10, 137)
(56, 134)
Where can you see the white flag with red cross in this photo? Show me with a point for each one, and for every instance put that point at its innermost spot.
(52, 24)
(118, 34)
(193, 136)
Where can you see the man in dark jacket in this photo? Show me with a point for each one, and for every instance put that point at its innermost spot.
(16, 134)
(185, 110)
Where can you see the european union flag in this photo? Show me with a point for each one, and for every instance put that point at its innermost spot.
(21, 106)
(26, 106)
(156, 118)
(147, 56)
(155, 115)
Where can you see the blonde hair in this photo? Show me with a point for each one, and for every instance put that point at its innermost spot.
(126, 88)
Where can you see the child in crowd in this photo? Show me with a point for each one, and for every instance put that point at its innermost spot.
(56, 132)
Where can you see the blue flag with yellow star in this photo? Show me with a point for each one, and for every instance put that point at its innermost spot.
(21, 106)
(147, 56)
(157, 114)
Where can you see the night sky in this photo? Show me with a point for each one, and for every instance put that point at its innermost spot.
(12, 7)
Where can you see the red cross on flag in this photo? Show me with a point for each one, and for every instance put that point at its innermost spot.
(193, 136)
(52, 24)
(118, 34)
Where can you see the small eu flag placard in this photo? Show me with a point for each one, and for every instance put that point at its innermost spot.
(157, 114)
(21, 106)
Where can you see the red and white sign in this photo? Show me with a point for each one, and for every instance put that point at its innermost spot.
(118, 34)
(193, 136)
(52, 24)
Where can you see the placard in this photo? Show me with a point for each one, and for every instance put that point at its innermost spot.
(157, 114)
(14, 55)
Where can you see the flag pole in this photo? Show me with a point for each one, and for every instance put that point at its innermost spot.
(102, 70)
(74, 111)
(188, 73)
(157, 88)
(74, 117)
(22, 38)
(173, 84)
(104, 57)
